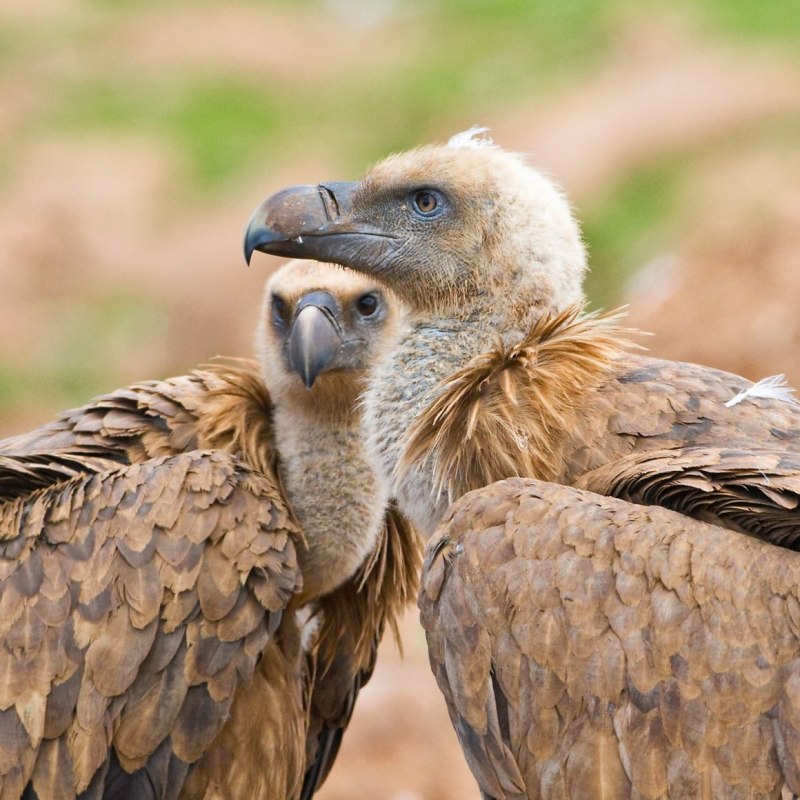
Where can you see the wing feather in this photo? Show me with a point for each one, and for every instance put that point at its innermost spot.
(755, 491)
(106, 644)
(659, 432)
(678, 673)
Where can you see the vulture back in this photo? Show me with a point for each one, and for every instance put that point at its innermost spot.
(589, 647)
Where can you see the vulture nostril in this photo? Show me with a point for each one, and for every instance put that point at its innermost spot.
(329, 202)
(331, 317)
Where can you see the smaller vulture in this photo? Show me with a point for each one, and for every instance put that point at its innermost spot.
(500, 373)
(195, 573)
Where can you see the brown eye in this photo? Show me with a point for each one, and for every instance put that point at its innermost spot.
(280, 311)
(426, 202)
(367, 305)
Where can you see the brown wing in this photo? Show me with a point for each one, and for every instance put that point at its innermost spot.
(22, 474)
(660, 432)
(133, 603)
(224, 406)
(649, 404)
(589, 647)
(353, 620)
(751, 491)
(141, 421)
(568, 404)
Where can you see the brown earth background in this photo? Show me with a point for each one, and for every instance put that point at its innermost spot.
(137, 136)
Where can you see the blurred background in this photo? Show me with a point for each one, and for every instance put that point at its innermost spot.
(137, 136)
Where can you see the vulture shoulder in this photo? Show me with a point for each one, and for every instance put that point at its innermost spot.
(664, 433)
(135, 600)
(569, 404)
(223, 406)
(196, 547)
(589, 647)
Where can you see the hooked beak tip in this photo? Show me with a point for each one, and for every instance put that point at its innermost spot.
(256, 236)
(314, 341)
(280, 225)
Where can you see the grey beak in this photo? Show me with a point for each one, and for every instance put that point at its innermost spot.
(315, 337)
(317, 222)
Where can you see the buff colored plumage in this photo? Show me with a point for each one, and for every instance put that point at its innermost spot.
(162, 608)
(570, 671)
(633, 652)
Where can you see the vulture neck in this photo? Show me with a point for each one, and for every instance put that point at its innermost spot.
(458, 405)
(430, 349)
(325, 474)
(330, 485)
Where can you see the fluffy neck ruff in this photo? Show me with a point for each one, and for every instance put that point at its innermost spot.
(507, 413)
(236, 415)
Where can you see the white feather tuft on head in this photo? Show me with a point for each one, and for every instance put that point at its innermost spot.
(470, 138)
(772, 388)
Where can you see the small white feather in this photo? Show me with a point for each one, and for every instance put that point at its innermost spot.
(772, 388)
(473, 138)
(309, 625)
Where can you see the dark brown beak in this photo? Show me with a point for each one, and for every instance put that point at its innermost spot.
(315, 337)
(317, 222)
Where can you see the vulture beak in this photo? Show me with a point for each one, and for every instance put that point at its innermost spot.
(315, 336)
(317, 222)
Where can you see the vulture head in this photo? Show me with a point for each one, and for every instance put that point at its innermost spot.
(448, 228)
(320, 330)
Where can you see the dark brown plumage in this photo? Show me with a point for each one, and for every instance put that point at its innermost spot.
(592, 648)
(160, 637)
(570, 405)
(497, 374)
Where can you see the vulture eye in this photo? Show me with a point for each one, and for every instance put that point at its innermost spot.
(427, 203)
(367, 305)
(280, 311)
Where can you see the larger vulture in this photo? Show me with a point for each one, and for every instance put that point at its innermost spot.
(195, 573)
(586, 647)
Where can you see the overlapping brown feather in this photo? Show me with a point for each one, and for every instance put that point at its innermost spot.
(223, 407)
(644, 654)
(506, 412)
